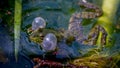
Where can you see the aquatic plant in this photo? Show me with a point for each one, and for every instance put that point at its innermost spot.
(17, 26)
(93, 61)
(108, 19)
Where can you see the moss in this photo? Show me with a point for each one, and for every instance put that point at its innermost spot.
(93, 61)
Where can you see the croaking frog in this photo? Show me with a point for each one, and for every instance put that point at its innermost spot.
(75, 28)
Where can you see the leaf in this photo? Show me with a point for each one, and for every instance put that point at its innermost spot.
(17, 26)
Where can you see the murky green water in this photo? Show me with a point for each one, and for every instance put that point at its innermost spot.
(57, 13)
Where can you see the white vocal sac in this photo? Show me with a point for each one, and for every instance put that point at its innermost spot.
(49, 42)
(38, 22)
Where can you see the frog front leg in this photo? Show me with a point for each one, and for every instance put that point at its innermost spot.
(103, 37)
(94, 34)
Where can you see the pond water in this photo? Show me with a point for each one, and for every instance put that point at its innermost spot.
(56, 15)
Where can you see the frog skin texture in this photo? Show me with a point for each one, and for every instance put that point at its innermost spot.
(75, 27)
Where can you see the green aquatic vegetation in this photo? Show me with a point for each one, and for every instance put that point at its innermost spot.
(17, 26)
(93, 61)
(108, 19)
(97, 61)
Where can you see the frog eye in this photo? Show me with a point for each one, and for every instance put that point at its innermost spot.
(49, 42)
(38, 22)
